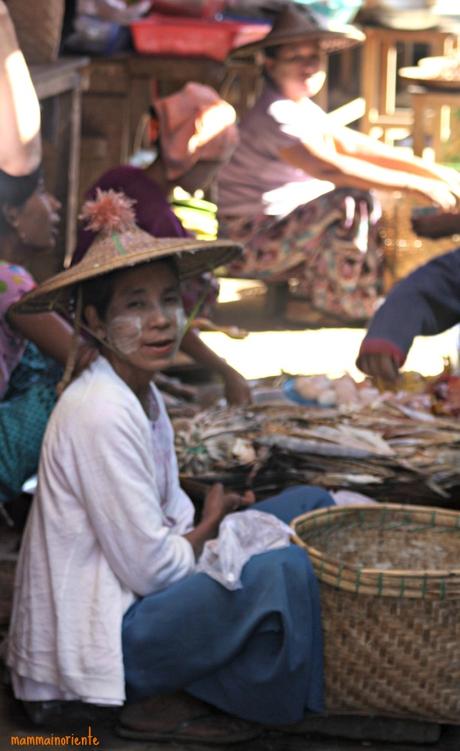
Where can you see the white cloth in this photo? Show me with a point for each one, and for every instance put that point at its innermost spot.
(106, 525)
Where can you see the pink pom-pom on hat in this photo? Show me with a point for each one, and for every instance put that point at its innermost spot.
(109, 212)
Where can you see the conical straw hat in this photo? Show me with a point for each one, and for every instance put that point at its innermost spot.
(294, 27)
(123, 246)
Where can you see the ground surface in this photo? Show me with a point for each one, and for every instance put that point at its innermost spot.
(14, 723)
(274, 345)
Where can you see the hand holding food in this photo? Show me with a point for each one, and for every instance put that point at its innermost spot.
(219, 503)
(379, 365)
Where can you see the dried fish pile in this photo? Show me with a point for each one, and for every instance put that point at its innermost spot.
(386, 450)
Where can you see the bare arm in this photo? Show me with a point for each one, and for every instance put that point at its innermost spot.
(48, 331)
(236, 389)
(322, 160)
(350, 142)
(20, 145)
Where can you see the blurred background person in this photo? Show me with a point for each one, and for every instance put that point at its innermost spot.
(297, 190)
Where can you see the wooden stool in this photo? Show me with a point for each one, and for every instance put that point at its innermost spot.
(439, 104)
(379, 75)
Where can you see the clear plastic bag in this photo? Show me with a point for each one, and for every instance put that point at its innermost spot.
(241, 536)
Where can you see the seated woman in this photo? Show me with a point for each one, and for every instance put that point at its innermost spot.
(107, 604)
(296, 190)
(27, 377)
(196, 133)
(28, 219)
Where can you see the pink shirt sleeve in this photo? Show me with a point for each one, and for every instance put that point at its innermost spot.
(14, 283)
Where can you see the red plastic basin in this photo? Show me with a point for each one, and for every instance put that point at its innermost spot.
(193, 37)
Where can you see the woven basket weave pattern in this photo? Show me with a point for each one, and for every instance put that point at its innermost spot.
(403, 250)
(391, 634)
(391, 656)
(38, 26)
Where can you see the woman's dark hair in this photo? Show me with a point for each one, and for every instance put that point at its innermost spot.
(272, 52)
(16, 191)
(98, 291)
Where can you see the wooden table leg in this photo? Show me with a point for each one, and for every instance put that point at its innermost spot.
(418, 128)
(369, 76)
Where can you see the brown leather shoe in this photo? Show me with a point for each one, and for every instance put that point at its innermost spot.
(180, 717)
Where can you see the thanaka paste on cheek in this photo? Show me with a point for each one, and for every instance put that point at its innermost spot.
(181, 327)
(124, 333)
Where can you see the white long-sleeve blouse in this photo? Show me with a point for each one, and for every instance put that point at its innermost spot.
(106, 526)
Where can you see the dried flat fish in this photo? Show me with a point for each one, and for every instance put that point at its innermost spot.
(345, 480)
(299, 446)
(390, 448)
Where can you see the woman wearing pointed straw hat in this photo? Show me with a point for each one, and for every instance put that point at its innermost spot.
(107, 601)
(296, 191)
(195, 132)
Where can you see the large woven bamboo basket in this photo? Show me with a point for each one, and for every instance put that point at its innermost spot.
(390, 597)
(403, 250)
(38, 26)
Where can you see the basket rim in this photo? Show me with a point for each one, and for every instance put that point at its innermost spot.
(421, 583)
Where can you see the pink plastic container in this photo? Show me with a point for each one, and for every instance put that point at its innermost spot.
(193, 37)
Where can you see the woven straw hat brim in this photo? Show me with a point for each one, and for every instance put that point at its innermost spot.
(192, 257)
(330, 40)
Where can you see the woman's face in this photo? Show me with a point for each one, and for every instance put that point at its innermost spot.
(36, 222)
(298, 70)
(145, 319)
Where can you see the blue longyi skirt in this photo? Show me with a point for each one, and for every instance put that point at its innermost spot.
(255, 652)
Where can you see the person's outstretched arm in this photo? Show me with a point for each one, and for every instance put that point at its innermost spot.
(320, 158)
(424, 303)
(20, 144)
(362, 146)
(236, 389)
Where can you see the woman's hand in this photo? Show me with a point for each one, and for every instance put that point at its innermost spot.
(450, 175)
(436, 191)
(219, 503)
(379, 365)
